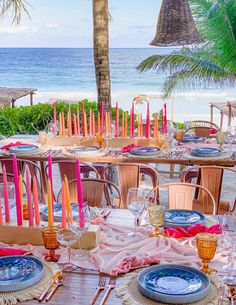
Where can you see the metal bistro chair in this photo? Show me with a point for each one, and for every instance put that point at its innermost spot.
(94, 191)
(34, 170)
(211, 177)
(67, 168)
(129, 177)
(203, 128)
(181, 196)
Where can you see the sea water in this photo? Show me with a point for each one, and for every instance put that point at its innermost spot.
(69, 74)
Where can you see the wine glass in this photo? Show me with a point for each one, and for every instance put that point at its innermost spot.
(100, 139)
(179, 135)
(136, 203)
(49, 235)
(228, 227)
(110, 135)
(81, 227)
(67, 237)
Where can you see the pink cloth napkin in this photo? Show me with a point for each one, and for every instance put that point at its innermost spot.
(8, 251)
(128, 147)
(6, 147)
(180, 232)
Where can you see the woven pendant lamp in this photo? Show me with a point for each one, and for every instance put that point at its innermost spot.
(175, 26)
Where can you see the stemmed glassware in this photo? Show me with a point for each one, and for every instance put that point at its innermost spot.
(228, 227)
(136, 203)
(156, 218)
(67, 238)
(80, 229)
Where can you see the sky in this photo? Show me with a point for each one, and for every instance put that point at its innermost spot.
(61, 23)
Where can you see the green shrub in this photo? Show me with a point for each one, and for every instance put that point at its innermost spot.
(31, 119)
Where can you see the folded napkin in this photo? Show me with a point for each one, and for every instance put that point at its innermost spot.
(6, 147)
(128, 147)
(180, 232)
(8, 251)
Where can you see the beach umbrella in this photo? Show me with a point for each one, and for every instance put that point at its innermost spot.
(175, 25)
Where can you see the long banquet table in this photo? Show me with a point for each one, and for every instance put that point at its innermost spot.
(79, 287)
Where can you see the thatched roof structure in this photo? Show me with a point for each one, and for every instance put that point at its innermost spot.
(175, 26)
(228, 109)
(8, 96)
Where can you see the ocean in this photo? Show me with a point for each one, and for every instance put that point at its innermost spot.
(67, 73)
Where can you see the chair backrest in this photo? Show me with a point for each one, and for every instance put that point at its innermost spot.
(203, 128)
(94, 191)
(211, 178)
(34, 170)
(128, 177)
(181, 196)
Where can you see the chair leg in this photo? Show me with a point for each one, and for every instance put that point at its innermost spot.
(172, 169)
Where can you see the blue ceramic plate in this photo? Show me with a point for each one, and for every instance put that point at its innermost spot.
(58, 212)
(24, 149)
(193, 139)
(173, 284)
(85, 149)
(183, 218)
(206, 152)
(19, 272)
(145, 151)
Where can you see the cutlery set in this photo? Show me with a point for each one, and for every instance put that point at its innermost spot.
(57, 280)
(102, 286)
(50, 151)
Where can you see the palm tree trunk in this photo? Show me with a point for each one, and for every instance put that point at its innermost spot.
(101, 52)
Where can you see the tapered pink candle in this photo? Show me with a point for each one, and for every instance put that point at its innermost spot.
(17, 192)
(117, 121)
(83, 116)
(102, 117)
(85, 125)
(78, 122)
(50, 175)
(80, 195)
(164, 119)
(0, 211)
(141, 125)
(148, 122)
(132, 121)
(63, 206)
(63, 124)
(55, 117)
(94, 125)
(36, 202)
(29, 199)
(5, 195)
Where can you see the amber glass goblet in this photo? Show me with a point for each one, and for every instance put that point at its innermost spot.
(156, 218)
(179, 135)
(51, 243)
(100, 139)
(206, 247)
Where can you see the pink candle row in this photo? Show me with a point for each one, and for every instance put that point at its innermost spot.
(103, 122)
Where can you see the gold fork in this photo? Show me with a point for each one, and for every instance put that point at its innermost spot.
(101, 286)
(111, 285)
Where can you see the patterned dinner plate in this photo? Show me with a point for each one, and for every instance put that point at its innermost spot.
(19, 272)
(206, 152)
(145, 151)
(58, 212)
(183, 218)
(173, 284)
(85, 150)
(24, 149)
(193, 139)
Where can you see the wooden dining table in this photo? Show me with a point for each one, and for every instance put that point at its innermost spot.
(80, 285)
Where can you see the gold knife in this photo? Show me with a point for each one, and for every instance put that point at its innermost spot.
(54, 278)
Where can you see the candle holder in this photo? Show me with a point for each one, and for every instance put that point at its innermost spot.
(51, 243)
(206, 246)
(100, 139)
(156, 218)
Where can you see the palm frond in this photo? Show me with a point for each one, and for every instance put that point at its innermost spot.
(17, 7)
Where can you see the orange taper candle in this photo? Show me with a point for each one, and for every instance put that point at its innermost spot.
(63, 124)
(68, 203)
(99, 123)
(94, 126)
(63, 206)
(69, 125)
(78, 122)
(36, 202)
(75, 125)
(50, 205)
(90, 122)
(85, 125)
(60, 124)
